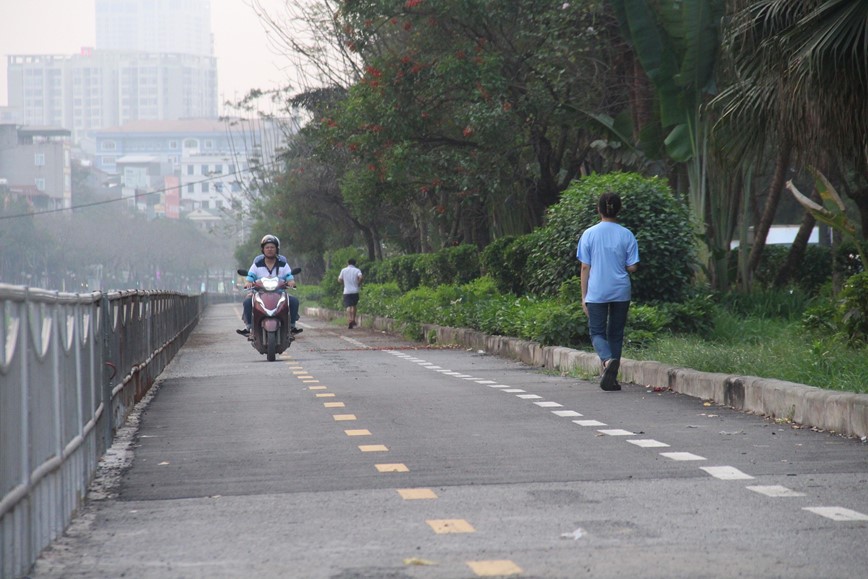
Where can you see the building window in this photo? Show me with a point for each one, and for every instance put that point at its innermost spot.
(173, 145)
(209, 144)
(204, 187)
(190, 169)
(109, 146)
(191, 188)
(39, 159)
(191, 144)
(205, 169)
(40, 184)
(218, 187)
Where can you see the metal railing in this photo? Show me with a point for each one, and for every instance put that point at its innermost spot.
(72, 367)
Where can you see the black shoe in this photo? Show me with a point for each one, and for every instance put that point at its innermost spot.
(609, 381)
(244, 332)
(295, 330)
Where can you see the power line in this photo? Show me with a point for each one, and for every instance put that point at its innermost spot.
(214, 177)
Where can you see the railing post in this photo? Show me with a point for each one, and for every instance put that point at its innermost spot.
(108, 373)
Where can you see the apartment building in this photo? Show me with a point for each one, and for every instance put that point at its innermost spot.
(153, 60)
(214, 160)
(98, 89)
(35, 164)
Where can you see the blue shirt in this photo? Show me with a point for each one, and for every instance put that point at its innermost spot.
(609, 248)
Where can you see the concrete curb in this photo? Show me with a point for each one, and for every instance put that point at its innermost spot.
(839, 412)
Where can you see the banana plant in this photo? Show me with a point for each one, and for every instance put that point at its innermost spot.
(832, 212)
(677, 44)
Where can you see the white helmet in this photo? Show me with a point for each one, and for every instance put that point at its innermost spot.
(269, 239)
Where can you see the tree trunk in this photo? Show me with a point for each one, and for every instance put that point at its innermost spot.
(761, 231)
(546, 191)
(799, 247)
(860, 196)
(641, 97)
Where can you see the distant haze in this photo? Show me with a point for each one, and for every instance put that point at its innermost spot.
(244, 59)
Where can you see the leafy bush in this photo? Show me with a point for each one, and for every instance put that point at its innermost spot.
(505, 261)
(405, 272)
(814, 270)
(853, 309)
(660, 222)
(692, 316)
(452, 265)
(788, 304)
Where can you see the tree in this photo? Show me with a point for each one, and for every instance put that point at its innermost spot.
(463, 119)
(800, 80)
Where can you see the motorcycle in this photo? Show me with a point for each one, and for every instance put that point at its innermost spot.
(270, 333)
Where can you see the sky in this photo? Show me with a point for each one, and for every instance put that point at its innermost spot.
(244, 58)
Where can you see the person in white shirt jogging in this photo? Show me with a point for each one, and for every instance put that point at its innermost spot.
(351, 277)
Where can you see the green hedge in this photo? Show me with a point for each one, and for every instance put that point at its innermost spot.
(659, 221)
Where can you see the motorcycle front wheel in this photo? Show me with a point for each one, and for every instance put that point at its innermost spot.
(271, 346)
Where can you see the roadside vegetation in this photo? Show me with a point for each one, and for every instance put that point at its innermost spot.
(803, 333)
(455, 148)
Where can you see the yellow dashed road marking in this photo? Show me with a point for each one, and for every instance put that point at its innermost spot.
(494, 568)
(340, 417)
(333, 404)
(416, 494)
(442, 526)
(374, 448)
(299, 371)
(318, 388)
(310, 381)
(304, 376)
(329, 395)
(394, 467)
(362, 432)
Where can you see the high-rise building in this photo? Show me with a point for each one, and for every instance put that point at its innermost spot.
(153, 61)
(157, 26)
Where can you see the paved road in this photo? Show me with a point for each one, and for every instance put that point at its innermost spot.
(360, 455)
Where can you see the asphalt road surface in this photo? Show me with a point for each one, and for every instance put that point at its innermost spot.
(361, 455)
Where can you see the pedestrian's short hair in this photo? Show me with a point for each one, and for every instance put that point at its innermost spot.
(351, 261)
(609, 204)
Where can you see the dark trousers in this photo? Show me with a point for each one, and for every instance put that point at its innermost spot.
(606, 324)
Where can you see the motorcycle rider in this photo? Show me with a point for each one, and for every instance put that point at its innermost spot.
(269, 264)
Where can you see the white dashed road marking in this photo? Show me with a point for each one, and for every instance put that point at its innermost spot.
(726, 473)
(837, 513)
(683, 456)
(565, 413)
(617, 432)
(775, 491)
(589, 423)
(548, 404)
(648, 443)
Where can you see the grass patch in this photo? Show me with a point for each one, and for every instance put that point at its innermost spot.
(767, 348)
